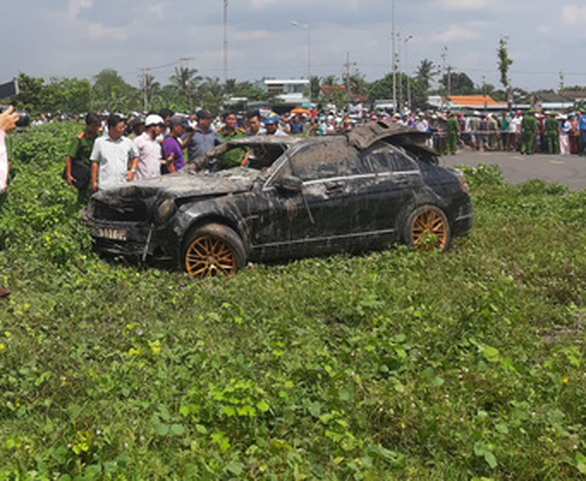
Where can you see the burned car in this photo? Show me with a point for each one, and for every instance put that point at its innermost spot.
(363, 190)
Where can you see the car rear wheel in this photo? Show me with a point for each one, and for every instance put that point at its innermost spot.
(428, 228)
(213, 249)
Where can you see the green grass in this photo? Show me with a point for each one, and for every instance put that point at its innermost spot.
(393, 365)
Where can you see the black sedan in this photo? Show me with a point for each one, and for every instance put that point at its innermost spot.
(370, 188)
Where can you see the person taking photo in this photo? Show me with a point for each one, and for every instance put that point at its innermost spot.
(8, 121)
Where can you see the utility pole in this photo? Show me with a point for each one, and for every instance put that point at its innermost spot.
(188, 80)
(348, 65)
(562, 87)
(144, 75)
(484, 92)
(444, 71)
(307, 28)
(407, 70)
(309, 61)
(400, 73)
(449, 81)
(393, 59)
(225, 41)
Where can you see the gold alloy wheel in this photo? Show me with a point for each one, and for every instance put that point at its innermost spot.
(429, 230)
(210, 256)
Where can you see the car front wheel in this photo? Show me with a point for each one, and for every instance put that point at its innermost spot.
(428, 228)
(213, 249)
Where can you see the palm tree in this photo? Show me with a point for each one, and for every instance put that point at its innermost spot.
(211, 93)
(330, 80)
(425, 73)
(150, 90)
(186, 82)
(230, 86)
(315, 87)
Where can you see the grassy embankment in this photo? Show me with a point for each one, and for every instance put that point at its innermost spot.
(393, 365)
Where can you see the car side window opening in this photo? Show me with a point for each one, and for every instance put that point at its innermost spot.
(324, 160)
(383, 158)
(263, 156)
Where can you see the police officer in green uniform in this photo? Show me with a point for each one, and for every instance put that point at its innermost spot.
(453, 128)
(234, 157)
(528, 125)
(77, 163)
(552, 134)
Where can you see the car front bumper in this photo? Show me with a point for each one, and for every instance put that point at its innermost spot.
(128, 239)
(464, 219)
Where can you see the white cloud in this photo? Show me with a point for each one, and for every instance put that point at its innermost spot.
(263, 4)
(456, 33)
(545, 30)
(98, 31)
(252, 35)
(157, 10)
(574, 15)
(74, 7)
(464, 4)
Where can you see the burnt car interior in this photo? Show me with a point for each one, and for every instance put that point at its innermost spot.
(264, 155)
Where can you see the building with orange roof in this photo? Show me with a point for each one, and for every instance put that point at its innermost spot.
(476, 102)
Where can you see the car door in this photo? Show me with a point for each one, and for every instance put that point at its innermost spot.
(314, 219)
(386, 187)
(324, 169)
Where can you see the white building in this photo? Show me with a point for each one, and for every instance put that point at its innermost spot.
(289, 93)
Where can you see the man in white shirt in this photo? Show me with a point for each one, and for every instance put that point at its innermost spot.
(114, 158)
(8, 121)
(515, 130)
(149, 149)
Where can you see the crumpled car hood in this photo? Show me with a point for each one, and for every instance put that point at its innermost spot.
(187, 184)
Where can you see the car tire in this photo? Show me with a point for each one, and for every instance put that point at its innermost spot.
(427, 228)
(213, 249)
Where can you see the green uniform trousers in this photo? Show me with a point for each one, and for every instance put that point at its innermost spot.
(528, 143)
(452, 142)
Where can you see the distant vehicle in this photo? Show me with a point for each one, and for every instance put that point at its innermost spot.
(367, 189)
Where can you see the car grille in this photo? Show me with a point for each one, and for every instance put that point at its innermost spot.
(134, 210)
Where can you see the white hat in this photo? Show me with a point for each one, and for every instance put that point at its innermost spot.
(154, 120)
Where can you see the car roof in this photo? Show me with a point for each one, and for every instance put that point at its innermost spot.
(361, 137)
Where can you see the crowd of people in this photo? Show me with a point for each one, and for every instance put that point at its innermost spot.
(527, 133)
(113, 149)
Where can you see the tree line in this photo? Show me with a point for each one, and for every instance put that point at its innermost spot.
(186, 90)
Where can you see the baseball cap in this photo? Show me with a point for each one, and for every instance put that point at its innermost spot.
(270, 119)
(177, 120)
(154, 120)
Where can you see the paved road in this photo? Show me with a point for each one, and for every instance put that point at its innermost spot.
(568, 170)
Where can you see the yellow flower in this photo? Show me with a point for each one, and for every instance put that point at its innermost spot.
(565, 379)
(2, 347)
(134, 352)
(155, 346)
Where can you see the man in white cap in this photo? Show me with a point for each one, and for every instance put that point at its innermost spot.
(149, 149)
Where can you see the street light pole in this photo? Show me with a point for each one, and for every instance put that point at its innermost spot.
(407, 70)
(400, 73)
(225, 41)
(393, 59)
(307, 27)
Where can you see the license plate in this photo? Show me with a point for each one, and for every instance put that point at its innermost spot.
(113, 234)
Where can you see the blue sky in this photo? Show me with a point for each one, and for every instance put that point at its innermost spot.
(81, 37)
